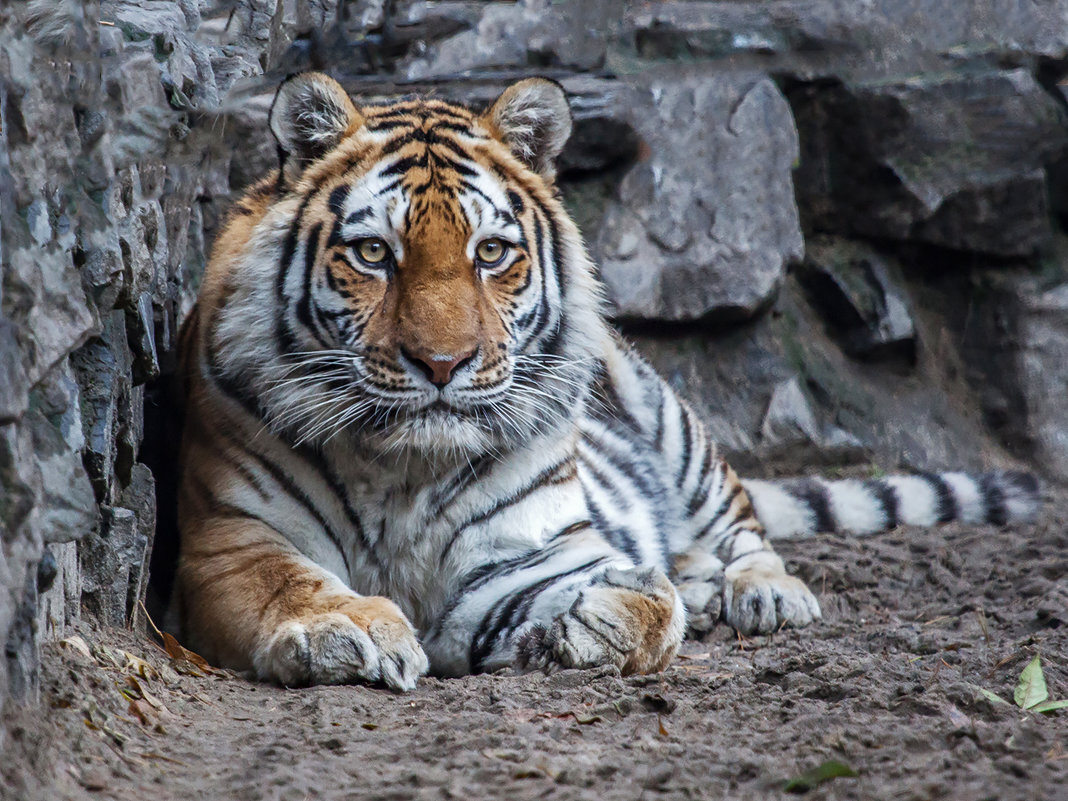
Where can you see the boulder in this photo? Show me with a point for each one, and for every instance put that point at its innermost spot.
(859, 291)
(1043, 375)
(703, 225)
(955, 160)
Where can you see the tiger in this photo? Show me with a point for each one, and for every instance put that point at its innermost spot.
(414, 443)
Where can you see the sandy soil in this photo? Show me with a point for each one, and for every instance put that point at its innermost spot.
(914, 621)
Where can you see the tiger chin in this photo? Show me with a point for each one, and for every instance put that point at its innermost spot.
(413, 443)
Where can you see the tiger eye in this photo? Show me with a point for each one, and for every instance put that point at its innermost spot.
(372, 251)
(490, 251)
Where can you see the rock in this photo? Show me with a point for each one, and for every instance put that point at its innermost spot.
(1043, 375)
(859, 292)
(953, 160)
(529, 33)
(112, 567)
(704, 226)
(782, 397)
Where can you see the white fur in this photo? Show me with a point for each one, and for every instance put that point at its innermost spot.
(917, 502)
(853, 508)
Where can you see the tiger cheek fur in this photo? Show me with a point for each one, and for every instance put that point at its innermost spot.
(413, 443)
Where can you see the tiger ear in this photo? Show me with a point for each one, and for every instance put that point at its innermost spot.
(309, 117)
(533, 118)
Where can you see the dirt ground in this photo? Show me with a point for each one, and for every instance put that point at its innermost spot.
(914, 622)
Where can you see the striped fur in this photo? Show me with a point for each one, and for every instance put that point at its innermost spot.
(400, 456)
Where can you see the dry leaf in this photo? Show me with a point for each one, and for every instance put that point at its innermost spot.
(660, 725)
(138, 665)
(142, 711)
(76, 643)
(178, 653)
(585, 720)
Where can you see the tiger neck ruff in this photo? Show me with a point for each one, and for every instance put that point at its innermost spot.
(412, 442)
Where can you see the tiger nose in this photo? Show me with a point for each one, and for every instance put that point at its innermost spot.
(439, 368)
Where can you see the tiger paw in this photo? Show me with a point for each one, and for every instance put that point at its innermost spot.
(367, 639)
(632, 619)
(698, 578)
(760, 597)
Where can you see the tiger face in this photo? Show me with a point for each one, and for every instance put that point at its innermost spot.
(428, 287)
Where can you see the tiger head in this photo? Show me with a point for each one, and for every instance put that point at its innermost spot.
(409, 277)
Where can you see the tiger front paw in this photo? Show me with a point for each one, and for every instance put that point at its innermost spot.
(364, 639)
(760, 597)
(632, 619)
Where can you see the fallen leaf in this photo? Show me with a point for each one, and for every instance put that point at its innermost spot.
(705, 655)
(585, 720)
(138, 665)
(997, 699)
(1031, 689)
(1050, 706)
(104, 655)
(187, 668)
(660, 726)
(179, 653)
(143, 711)
(78, 644)
(812, 778)
(369, 726)
(136, 687)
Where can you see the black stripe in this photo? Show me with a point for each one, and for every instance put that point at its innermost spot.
(286, 337)
(543, 479)
(359, 215)
(997, 511)
(721, 510)
(946, 500)
(687, 445)
(814, 495)
(337, 199)
(700, 493)
(887, 499)
(658, 439)
(403, 165)
(291, 488)
(619, 539)
(512, 608)
(646, 485)
(304, 306)
(317, 463)
(226, 455)
(461, 481)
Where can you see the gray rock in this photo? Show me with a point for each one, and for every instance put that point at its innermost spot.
(529, 33)
(1043, 375)
(704, 226)
(953, 160)
(860, 294)
(782, 397)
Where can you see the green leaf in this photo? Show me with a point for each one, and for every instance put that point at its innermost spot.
(831, 769)
(997, 699)
(1031, 689)
(1049, 706)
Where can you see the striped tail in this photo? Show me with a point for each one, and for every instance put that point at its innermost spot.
(804, 506)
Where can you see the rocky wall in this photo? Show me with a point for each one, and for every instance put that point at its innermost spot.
(838, 227)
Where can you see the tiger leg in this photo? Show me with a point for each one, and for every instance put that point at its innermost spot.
(255, 602)
(723, 565)
(730, 569)
(576, 604)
